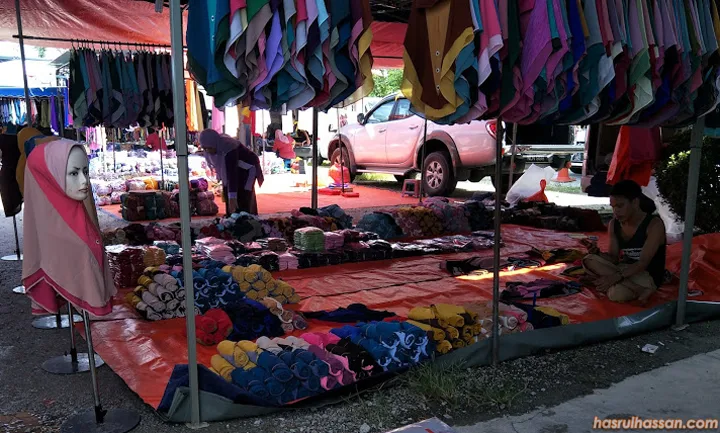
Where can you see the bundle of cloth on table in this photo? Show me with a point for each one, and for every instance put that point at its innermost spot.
(244, 319)
(280, 371)
(434, 217)
(144, 205)
(158, 295)
(256, 283)
(554, 217)
(539, 288)
(138, 234)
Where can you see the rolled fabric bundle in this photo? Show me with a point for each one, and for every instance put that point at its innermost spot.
(169, 314)
(154, 256)
(222, 367)
(275, 367)
(300, 369)
(449, 314)
(458, 344)
(152, 301)
(467, 334)
(234, 353)
(435, 333)
(172, 305)
(153, 315)
(320, 339)
(421, 314)
(269, 345)
(164, 294)
(443, 347)
(223, 322)
(525, 326)
(508, 322)
(145, 281)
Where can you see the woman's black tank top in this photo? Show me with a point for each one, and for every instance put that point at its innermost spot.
(630, 249)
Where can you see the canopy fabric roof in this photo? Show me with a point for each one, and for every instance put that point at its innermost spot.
(137, 22)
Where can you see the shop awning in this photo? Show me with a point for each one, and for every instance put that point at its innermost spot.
(137, 22)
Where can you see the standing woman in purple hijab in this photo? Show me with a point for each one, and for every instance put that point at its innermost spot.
(236, 167)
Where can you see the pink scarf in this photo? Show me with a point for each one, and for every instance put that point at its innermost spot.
(64, 259)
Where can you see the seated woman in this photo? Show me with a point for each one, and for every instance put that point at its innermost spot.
(635, 266)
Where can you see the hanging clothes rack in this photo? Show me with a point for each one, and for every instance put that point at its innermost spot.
(93, 42)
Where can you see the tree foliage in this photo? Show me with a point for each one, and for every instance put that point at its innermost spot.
(672, 178)
(388, 81)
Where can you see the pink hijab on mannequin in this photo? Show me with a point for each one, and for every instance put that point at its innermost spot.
(64, 259)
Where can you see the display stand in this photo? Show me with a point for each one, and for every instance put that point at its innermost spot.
(99, 420)
(58, 321)
(18, 255)
(422, 165)
(73, 362)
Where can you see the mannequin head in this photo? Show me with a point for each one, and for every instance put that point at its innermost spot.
(77, 181)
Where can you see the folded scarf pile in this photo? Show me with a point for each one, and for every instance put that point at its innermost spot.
(280, 378)
(213, 288)
(393, 345)
(310, 239)
(252, 320)
(343, 220)
(381, 223)
(154, 256)
(417, 221)
(278, 245)
(215, 249)
(133, 207)
(290, 320)
(157, 296)
(159, 232)
(245, 227)
(450, 326)
(287, 261)
(257, 283)
(543, 317)
(451, 216)
(334, 241)
(170, 247)
(204, 203)
(540, 288)
(212, 327)
(511, 319)
(354, 313)
(479, 218)
(126, 264)
(338, 367)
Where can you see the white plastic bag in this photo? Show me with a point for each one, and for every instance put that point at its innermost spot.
(529, 183)
(432, 425)
(674, 225)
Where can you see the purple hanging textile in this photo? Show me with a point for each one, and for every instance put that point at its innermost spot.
(53, 115)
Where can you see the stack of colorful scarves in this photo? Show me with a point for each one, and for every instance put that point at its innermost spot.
(393, 345)
(215, 249)
(451, 216)
(381, 223)
(204, 203)
(159, 232)
(278, 245)
(334, 241)
(126, 264)
(290, 320)
(450, 326)
(158, 296)
(212, 327)
(252, 320)
(284, 373)
(154, 256)
(257, 283)
(170, 247)
(213, 288)
(310, 239)
(417, 222)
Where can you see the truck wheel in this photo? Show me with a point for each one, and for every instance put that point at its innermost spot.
(439, 177)
(335, 159)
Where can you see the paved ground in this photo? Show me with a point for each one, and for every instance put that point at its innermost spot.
(688, 389)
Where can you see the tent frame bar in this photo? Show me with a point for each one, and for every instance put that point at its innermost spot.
(89, 41)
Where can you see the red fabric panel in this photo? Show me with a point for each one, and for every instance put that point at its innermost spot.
(107, 20)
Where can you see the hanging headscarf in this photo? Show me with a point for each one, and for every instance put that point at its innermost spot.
(64, 258)
(223, 144)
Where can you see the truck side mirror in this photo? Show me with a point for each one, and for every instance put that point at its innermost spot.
(361, 118)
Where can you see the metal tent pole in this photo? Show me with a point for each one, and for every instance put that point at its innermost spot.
(21, 41)
(178, 86)
(496, 246)
(17, 256)
(512, 155)
(314, 191)
(422, 164)
(690, 207)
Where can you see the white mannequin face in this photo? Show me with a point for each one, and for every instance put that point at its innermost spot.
(77, 180)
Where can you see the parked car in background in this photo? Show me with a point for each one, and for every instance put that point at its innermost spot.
(546, 146)
(390, 139)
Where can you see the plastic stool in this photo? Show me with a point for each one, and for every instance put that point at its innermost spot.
(411, 187)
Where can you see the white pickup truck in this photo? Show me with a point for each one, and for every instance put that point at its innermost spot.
(390, 139)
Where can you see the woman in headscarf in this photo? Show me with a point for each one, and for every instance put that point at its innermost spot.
(236, 167)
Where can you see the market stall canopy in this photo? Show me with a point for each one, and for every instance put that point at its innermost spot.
(137, 22)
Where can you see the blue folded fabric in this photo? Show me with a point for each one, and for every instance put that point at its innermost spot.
(275, 367)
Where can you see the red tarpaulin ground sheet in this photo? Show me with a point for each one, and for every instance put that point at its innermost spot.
(144, 353)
